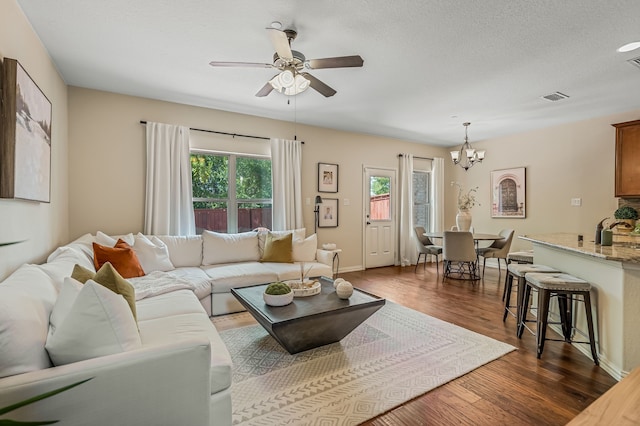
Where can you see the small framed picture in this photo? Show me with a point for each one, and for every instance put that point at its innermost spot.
(508, 193)
(327, 177)
(328, 215)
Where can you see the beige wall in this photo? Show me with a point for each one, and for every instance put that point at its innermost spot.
(107, 163)
(575, 160)
(44, 226)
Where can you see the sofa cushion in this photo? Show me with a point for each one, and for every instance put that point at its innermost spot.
(288, 271)
(121, 256)
(183, 250)
(26, 300)
(225, 277)
(152, 253)
(197, 277)
(278, 249)
(168, 304)
(175, 328)
(99, 323)
(220, 248)
(81, 245)
(304, 250)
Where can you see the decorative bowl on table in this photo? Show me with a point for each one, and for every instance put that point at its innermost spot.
(304, 288)
(278, 294)
(329, 246)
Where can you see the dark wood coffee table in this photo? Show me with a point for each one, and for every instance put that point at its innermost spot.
(312, 321)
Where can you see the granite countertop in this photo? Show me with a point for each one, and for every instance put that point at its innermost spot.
(624, 251)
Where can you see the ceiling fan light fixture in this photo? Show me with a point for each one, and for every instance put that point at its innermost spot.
(289, 83)
(629, 47)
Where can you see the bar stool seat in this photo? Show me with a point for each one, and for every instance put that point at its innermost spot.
(520, 257)
(564, 287)
(518, 271)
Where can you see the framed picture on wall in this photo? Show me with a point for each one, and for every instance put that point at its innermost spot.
(327, 177)
(328, 216)
(25, 141)
(508, 193)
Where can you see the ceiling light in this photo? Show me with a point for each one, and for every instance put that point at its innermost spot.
(277, 25)
(289, 82)
(466, 157)
(629, 47)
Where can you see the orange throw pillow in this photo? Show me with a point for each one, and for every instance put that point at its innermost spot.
(121, 256)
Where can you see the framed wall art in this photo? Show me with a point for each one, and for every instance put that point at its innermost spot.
(25, 141)
(327, 177)
(508, 193)
(328, 216)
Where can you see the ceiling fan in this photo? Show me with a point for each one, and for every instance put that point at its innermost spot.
(291, 80)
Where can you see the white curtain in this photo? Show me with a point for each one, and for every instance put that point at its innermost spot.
(286, 167)
(437, 191)
(408, 253)
(168, 201)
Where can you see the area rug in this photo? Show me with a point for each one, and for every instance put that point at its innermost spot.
(394, 356)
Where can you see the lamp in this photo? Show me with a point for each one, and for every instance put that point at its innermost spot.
(466, 157)
(316, 211)
(289, 82)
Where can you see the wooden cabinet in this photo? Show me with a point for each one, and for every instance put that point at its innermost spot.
(628, 159)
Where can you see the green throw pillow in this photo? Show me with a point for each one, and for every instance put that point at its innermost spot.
(278, 249)
(108, 277)
(82, 274)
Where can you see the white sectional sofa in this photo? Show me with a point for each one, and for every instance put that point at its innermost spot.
(181, 371)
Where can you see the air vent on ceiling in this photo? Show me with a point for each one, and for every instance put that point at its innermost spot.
(555, 96)
(635, 61)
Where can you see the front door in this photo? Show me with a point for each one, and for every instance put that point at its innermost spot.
(380, 222)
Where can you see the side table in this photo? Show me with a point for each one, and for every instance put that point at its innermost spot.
(325, 256)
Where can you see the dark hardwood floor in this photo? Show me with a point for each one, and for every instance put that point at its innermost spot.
(516, 389)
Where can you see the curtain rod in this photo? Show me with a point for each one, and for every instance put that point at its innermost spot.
(420, 158)
(224, 133)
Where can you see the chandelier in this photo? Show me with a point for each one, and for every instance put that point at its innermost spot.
(466, 157)
(289, 82)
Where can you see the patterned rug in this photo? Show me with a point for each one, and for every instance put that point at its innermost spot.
(394, 356)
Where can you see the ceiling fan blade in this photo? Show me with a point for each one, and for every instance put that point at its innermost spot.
(240, 64)
(337, 62)
(266, 89)
(318, 85)
(280, 43)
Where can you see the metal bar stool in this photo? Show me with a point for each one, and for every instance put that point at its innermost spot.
(565, 287)
(517, 257)
(519, 271)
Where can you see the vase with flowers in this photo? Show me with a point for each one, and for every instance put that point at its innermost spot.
(466, 200)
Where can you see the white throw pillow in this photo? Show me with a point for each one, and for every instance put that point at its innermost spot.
(152, 253)
(99, 323)
(67, 297)
(184, 250)
(105, 240)
(229, 248)
(305, 250)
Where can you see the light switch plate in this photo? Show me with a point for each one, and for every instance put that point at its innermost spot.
(576, 201)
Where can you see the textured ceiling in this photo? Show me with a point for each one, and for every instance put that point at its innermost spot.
(428, 65)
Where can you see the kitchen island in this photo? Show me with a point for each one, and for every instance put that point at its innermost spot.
(614, 272)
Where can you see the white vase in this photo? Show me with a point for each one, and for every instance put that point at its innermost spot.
(463, 220)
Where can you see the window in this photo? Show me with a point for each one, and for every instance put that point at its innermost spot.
(422, 199)
(380, 199)
(231, 193)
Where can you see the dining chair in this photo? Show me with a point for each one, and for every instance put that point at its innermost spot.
(425, 246)
(499, 249)
(454, 228)
(459, 255)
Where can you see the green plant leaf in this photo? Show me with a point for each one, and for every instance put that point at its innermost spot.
(36, 398)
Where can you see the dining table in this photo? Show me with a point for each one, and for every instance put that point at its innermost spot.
(477, 236)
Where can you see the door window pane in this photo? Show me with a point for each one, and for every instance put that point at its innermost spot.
(379, 198)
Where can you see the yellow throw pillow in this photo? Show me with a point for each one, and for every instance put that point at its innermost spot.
(111, 279)
(278, 249)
